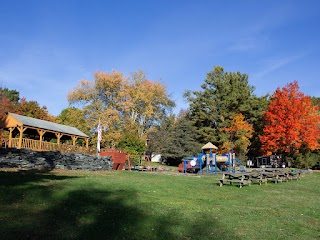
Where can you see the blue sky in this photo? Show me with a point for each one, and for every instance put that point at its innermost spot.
(46, 47)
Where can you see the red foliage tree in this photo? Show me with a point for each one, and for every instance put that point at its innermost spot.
(291, 122)
(5, 106)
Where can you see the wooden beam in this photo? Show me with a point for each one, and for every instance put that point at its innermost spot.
(21, 130)
(58, 135)
(74, 139)
(87, 142)
(41, 133)
(10, 136)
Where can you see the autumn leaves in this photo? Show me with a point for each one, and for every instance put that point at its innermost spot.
(125, 106)
(291, 122)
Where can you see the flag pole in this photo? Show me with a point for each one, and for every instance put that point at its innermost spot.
(99, 137)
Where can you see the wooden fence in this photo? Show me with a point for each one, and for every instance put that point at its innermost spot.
(44, 146)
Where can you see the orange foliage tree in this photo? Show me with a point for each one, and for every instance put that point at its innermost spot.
(240, 132)
(291, 122)
(33, 109)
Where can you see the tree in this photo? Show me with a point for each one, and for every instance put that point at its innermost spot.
(240, 132)
(8, 101)
(147, 102)
(11, 95)
(184, 138)
(118, 101)
(130, 142)
(175, 139)
(33, 109)
(291, 122)
(74, 117)
(316, 101)
(224, 95)
(254, 116)
(160, 137)
(5, 106)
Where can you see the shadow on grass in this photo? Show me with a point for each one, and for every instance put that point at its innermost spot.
(15, 186)
(20, 177)
(90, 213)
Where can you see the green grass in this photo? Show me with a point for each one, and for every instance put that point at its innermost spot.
(140, 205)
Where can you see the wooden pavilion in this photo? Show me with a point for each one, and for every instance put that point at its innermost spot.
(41, 135)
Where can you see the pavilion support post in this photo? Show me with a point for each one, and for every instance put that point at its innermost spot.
(21, 130)
(41, 133)
(10, 137)
(74, 139)
(87, 142)
(58, 135)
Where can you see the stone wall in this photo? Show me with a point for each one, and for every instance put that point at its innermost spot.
(25, 158)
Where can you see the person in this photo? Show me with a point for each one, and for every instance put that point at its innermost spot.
(148, 155)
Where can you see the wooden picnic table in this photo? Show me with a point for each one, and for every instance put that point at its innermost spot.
(242, 179)
(293, 175)
(276, 177)
(256, 178)
(238, 179)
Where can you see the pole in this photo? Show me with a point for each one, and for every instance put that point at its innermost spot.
(99, 138)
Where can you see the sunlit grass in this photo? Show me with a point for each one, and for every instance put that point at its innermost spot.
(137, 205)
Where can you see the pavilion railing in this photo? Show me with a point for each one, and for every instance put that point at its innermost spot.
(4, 143)
(45, 146)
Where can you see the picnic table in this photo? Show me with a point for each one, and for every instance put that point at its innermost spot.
(238, 179)
(256, 178)
(293, 175)
(242, 179)
(276, 176)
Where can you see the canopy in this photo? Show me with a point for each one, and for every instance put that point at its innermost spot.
(209, 145)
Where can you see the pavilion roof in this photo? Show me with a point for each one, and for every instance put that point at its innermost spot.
(51, 126)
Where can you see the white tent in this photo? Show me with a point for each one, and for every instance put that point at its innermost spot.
(156, 158)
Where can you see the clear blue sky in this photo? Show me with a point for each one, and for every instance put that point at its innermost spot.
(46, 47)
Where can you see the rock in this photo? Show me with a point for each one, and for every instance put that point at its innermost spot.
(25, 158)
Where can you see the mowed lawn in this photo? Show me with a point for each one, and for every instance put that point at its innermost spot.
(142, 205)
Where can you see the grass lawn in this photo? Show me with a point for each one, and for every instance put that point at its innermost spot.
(141, 205)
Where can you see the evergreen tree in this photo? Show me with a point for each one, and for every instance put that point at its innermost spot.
(224, 95)
(12, 95)
(175, 139)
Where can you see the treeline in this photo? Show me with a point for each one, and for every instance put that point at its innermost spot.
(136, 114)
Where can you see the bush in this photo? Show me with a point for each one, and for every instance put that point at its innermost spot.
(304, 160)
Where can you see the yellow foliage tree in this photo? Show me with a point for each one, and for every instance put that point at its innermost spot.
(118, 101)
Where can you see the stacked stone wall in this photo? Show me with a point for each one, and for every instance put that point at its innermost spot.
(29, 159)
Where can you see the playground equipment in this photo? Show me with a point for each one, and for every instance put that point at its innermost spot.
(119, 158)
(145, 162)
(211, 161)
